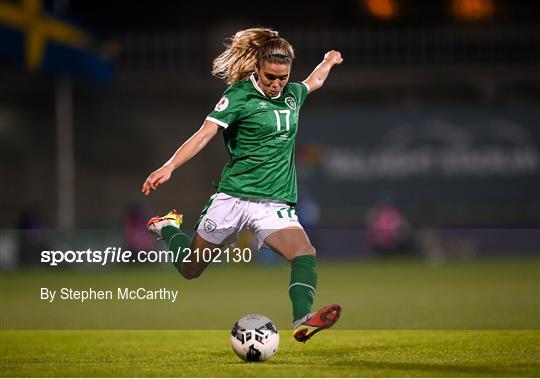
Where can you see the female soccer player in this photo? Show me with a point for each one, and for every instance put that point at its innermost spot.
(258, 115)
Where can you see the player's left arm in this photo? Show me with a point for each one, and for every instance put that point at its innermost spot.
(316, 79)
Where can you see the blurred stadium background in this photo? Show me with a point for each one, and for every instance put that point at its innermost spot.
(424, 143)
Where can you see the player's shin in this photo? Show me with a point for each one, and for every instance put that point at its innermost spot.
(178, 243)
(302, 285)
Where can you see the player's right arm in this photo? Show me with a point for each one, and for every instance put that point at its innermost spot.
(188, 150)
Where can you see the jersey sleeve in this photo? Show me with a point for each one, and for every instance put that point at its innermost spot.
(301, 91)
(229, 108)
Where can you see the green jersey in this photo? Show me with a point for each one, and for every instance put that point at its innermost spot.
(260, 134)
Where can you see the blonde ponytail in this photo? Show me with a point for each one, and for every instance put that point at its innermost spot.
(247, 49)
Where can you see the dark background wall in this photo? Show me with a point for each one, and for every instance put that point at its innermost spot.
(436, 113)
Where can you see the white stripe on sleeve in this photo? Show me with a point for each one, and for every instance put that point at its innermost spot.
(220, 123)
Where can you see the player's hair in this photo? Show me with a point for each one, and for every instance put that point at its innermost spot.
(247, 49)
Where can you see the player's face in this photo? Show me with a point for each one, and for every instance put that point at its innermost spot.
(273, 77)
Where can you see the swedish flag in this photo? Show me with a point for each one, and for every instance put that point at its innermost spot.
(45, 42)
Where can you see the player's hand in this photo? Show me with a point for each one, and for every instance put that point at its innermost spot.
(155, 179)
(333, 57)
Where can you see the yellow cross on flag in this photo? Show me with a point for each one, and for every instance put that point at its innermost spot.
(39, 27)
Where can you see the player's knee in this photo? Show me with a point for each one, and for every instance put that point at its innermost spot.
(308, 249)
(190, 274)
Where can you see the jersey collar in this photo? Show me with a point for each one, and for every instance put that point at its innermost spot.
(254, 82)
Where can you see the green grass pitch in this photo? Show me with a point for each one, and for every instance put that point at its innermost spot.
(401, 318)
(207, 353)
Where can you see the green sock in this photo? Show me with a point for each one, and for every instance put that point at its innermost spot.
(177, 241)
(302, 285)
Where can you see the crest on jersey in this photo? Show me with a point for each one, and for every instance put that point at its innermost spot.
(209, 226)
(291, 103)
(222, 105)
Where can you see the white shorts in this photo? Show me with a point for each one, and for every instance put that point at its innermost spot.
(225, 216)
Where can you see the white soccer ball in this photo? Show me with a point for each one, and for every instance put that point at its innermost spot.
(255, 338)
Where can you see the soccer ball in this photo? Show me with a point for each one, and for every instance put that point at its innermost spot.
(254, 338)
